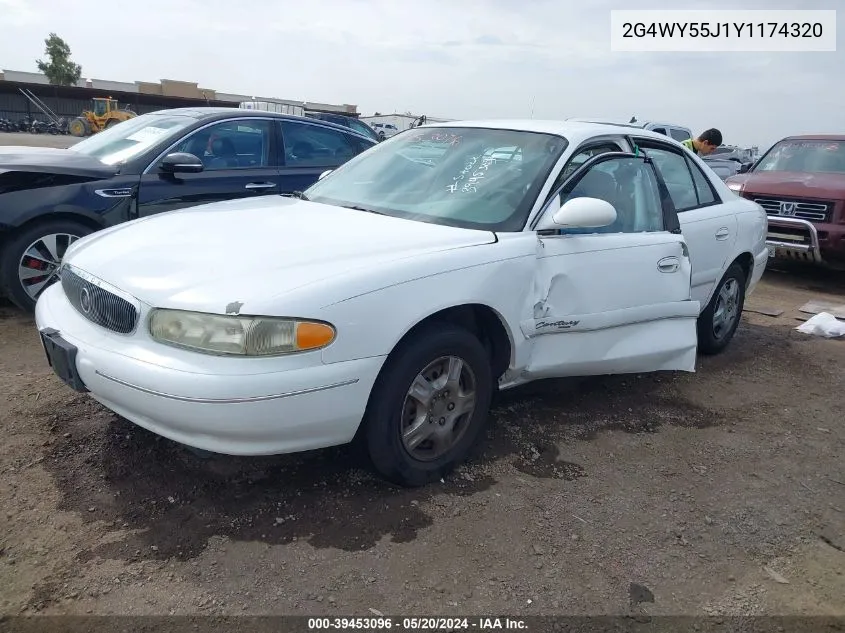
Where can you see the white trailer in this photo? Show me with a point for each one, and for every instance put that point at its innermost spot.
(273, 106)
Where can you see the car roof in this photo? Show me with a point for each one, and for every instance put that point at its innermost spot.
(571, 130)
(214, 112)
(815, 137)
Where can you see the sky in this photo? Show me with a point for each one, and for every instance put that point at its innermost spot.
(457, 59)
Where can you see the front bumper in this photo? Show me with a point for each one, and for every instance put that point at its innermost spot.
(257, 412)
(791, 238)
(801, 240)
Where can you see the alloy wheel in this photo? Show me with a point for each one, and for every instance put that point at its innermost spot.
(39, 265)
(438, 408)
(727, 308)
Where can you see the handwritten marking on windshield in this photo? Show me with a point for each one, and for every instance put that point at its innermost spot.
(469, 186)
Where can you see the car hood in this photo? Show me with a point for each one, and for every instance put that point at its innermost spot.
(206, 257)
(792, 184)
(51, 160)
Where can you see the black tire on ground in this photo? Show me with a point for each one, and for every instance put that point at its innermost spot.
(382, 424)
(709, 340)
(79, 127)
(13, 251)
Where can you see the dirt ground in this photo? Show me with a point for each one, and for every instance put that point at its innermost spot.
(719, 492)
(37, 140)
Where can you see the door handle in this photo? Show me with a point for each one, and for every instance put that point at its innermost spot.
(668, 264)
(722, 233)
(260, 185)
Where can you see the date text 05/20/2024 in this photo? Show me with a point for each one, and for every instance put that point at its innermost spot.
(417, 624)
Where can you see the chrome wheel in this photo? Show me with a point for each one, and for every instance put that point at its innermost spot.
(727, 308)
(40, 262)
(438, 408)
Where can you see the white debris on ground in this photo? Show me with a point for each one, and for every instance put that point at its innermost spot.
(823, 324)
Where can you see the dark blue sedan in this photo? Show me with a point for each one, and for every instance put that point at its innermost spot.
(156, 162)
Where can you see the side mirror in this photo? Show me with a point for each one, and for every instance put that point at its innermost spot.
(581, 213)
(743, 169)
(324, 174)
(181, 163)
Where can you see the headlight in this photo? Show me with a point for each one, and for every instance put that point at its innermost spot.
(736, 187)
(238, 335)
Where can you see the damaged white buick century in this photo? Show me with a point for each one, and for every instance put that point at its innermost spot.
(388, 302)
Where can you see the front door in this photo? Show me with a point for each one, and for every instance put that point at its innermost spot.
(709, 227)
(616, 299)
(239, 159)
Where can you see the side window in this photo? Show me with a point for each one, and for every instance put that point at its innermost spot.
(676, 174)
(582, 157)
(231, 145)
(315, 146)
(703, 188)
(360, 127)
(630, 185)
(660, 130)
(679, 135)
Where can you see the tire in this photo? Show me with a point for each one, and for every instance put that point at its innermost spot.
(79, 127)
(390, 406)
(111, 123)
(14, 249)
(731, 288)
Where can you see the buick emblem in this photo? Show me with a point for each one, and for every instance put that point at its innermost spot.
(85, 300)
(787, 208)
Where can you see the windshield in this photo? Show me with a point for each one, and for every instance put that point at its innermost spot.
(130, 138)
(468, 177)
(805, 156)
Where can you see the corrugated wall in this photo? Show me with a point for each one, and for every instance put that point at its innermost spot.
(15, 107)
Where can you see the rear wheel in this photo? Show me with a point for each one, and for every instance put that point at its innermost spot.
(720, 319)
(429, 405)
(30, 260)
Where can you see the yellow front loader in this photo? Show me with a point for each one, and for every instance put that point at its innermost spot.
(104, 114)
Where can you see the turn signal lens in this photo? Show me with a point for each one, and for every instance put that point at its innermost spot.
(310, 335)
(238, 335)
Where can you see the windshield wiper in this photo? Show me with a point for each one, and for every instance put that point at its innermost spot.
(296, 194)
(357, 208)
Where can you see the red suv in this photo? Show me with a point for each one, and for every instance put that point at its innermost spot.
(800, 182)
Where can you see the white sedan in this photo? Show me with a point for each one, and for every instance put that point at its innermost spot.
(392, 298)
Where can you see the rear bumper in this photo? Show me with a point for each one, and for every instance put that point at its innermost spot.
(795, 239)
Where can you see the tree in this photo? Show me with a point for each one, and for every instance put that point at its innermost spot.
(60, 70)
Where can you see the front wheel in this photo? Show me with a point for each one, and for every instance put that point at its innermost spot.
(720, 319)
(79, 127)
(429, 405)
(30, 260)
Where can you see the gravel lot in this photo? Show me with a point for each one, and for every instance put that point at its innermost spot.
(37, 140)
(717, 492)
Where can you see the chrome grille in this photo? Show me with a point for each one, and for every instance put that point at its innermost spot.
(98, 305)
(802, 209)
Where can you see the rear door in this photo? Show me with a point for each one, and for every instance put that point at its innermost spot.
(239, 158)
(616, 299)
(709, 226)
(308, 149)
